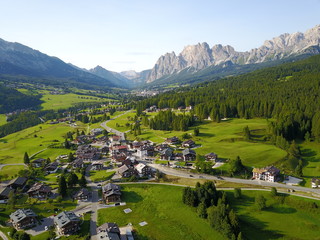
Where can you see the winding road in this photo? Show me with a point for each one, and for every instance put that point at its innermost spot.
(109, 129)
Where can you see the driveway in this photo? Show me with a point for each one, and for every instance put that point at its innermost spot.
(40, 228)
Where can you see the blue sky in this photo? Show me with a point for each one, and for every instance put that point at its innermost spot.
(132, 34)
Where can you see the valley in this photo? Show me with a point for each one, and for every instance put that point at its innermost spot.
(211, 143)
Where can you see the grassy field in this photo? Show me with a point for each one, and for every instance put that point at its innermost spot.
(161, 207)
(223, 138)
(66, 100)
(168, 218)
(120, 122)
(278, 221)
(33, 140)
(9, 172)
(101, 175)
(3, 119)
(311, 154)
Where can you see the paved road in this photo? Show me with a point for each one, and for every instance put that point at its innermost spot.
(109, 129)
(94, 205)
(186, 174)
(3, 236)
(13, 164)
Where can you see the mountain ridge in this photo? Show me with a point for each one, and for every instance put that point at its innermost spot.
(18, 59)
(200, 56)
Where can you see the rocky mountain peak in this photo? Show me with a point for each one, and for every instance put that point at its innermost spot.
(200, 56)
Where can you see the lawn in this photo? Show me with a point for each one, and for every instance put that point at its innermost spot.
(101, 175)
(33, 140)
(225, 139)
(120, 122)
(66, 100)
(9, 172)
(278, 221)
(311, 154)
(3, 119)
(162, 208)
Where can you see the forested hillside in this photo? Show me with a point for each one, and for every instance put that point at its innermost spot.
(11, 99)
(288, 93)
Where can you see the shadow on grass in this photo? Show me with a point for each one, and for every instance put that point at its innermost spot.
(285, 210)
(138, 236)
(206, 134)
(131, 197)
(255, 229)
(4, 140)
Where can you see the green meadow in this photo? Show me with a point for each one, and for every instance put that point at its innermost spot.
(286, 217)
(3, 119)
(162, 208)
(288, 220)
(224, 138)
(311, 154)
(66, 100)
(33, 140)
(101, 175)
(9, 172)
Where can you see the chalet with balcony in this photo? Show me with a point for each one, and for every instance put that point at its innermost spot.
(189, 154)
(39, 190)
(97, 165)
(173, 140)
(23, 218)
(143, 170)
(39, 163)
(109, 231)
(82, 195)
(78, 163)
(67, 223)
(211, 157)
(188, 144)
(111, 193)
(127, 171)
(52, 167)
(166, 154)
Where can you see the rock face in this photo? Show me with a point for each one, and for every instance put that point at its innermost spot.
(136, 77)
(200, 56)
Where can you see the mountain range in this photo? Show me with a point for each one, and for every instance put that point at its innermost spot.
(198, 57)
(194, 64)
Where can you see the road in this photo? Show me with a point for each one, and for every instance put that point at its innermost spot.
(94, 205)
(109, 129)
(13, 164)
(179, 173)
(185, 174)
(3, 236)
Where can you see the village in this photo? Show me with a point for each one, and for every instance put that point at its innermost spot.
(127, 161)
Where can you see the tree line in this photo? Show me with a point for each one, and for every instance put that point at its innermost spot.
(11, 100)
(288, 93)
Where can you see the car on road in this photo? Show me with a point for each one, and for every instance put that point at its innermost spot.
(221, 178)
(190, 175)
(99, 185)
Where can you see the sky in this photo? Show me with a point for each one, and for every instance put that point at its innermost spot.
(122, 35)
